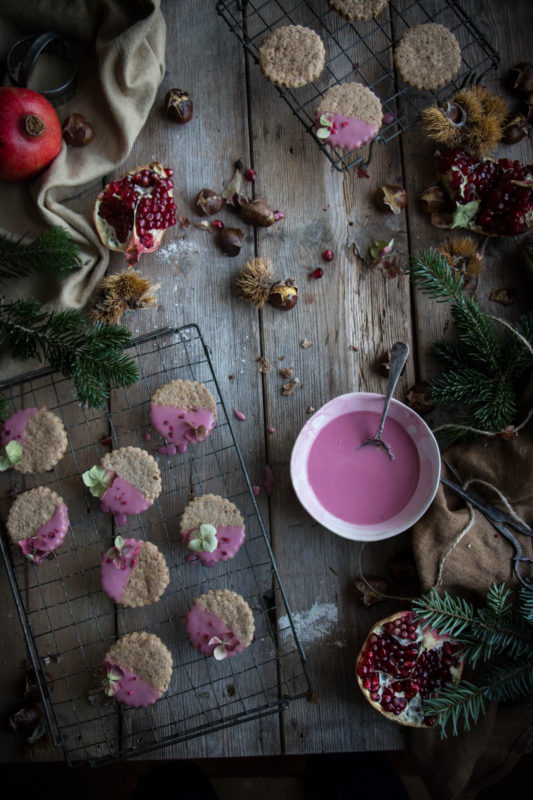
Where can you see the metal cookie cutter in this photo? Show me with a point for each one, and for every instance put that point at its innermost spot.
(23, 58)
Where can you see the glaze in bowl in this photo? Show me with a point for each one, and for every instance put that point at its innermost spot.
(373, 515)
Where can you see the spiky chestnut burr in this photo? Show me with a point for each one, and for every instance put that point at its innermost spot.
(254, 281)
(462, 255)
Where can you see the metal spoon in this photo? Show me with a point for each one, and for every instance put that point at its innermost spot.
(398, 357)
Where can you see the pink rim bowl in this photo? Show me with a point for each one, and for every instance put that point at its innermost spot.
(423, 440)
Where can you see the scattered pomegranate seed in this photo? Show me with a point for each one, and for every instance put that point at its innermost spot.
(328, 255)
(218, 224)
(318, 272)
(279, 215)
(250, 175)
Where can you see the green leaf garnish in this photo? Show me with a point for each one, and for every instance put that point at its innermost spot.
(325, 121)
(463, 214)
(97, 480)
(206, 539)
(323, 133)
(12, 455)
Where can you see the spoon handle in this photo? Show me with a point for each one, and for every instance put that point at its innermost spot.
(398, 357)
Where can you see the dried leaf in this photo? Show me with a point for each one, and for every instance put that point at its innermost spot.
(506, 296)
(286, 372)
(288, 388)
(264, 365)
(305, 343)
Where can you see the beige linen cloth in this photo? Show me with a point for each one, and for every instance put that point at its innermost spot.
(121, 55)
(458, 767)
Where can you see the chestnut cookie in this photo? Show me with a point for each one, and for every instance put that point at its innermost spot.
(428, 56)
(32, 440)
(134, 572)
(38, 522)
(127, 481)
(220, 623)
(138, 668)
(212, 528)
(184, 412)
(354, 10)
(292, 56)
(348, 116)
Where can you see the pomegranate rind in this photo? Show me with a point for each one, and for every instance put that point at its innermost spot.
(427, 639)
(132, 247)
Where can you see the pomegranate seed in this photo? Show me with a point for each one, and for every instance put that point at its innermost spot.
(328, 255)
(279, 215)
(217, 223)
(250, 175)
(317, 273)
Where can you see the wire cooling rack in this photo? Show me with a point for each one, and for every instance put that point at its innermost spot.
(362, 52)
(69, 623)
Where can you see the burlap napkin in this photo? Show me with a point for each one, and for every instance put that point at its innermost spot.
(121, 53)
(466, 565)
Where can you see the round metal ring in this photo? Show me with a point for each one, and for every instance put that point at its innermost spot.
(24, 55)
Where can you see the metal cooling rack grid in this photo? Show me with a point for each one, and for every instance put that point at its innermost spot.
(361, 51)
(69, 623)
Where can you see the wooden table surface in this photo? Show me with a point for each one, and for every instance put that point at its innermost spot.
(350, 315)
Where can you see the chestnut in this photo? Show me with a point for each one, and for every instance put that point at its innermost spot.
(258, 212)
(390, 198)
(432, 198)
(515, 129)
(519, 80)
(178, 104)
(230, 241)
(209, 202)
(77, 132)
(283, 294)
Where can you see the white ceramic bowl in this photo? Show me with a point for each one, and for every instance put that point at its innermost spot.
(422, 439)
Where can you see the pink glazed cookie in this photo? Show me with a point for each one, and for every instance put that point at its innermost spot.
(348, 116)
(32, 440)
(184, 413)
(38, 522)
(220, 623)
(127, 481)
(134, 572)
(137, 669)
(212, 528)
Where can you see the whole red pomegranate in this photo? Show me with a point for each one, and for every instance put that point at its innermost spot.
(30, 133)
(401, 664)
(132, 213)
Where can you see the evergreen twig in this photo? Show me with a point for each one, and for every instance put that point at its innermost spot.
(53, 252)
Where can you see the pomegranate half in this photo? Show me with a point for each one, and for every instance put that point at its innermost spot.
(401, 664)
(133, 212)
(30, 133)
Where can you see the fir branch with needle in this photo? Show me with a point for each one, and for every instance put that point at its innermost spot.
(52, 253)
(498, 647)
(482, 368)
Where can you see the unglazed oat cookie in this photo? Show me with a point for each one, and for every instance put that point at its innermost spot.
(38, 522)
(348, 116)
(127, 481)
(220, 623)
(212, 528)
(183, 412)
(134, 572)
(138, 668)
(33, 440)
(292, 56)
(354, 10)
(428, 56)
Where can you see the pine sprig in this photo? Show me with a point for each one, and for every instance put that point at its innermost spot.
(53, 253)
(481, 369)
(93, 357)
(495, 634)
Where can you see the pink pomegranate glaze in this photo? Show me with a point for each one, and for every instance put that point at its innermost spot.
(15, 426)
(180, 426)
(131, 690)
(362, 486)
(350, 133)
(48, 537)
(123, 499)
(114, 578)
(202, 625)
(230, 538)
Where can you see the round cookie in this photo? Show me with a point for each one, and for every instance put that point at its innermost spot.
(39, 440)
(292, 56)
(348, 116)
(37, 522)
(183, 412)
(354, 10)
(134, 572)
(137, 669)
(427, 56)
(220, 623)
(127, 481)
(212, 528)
